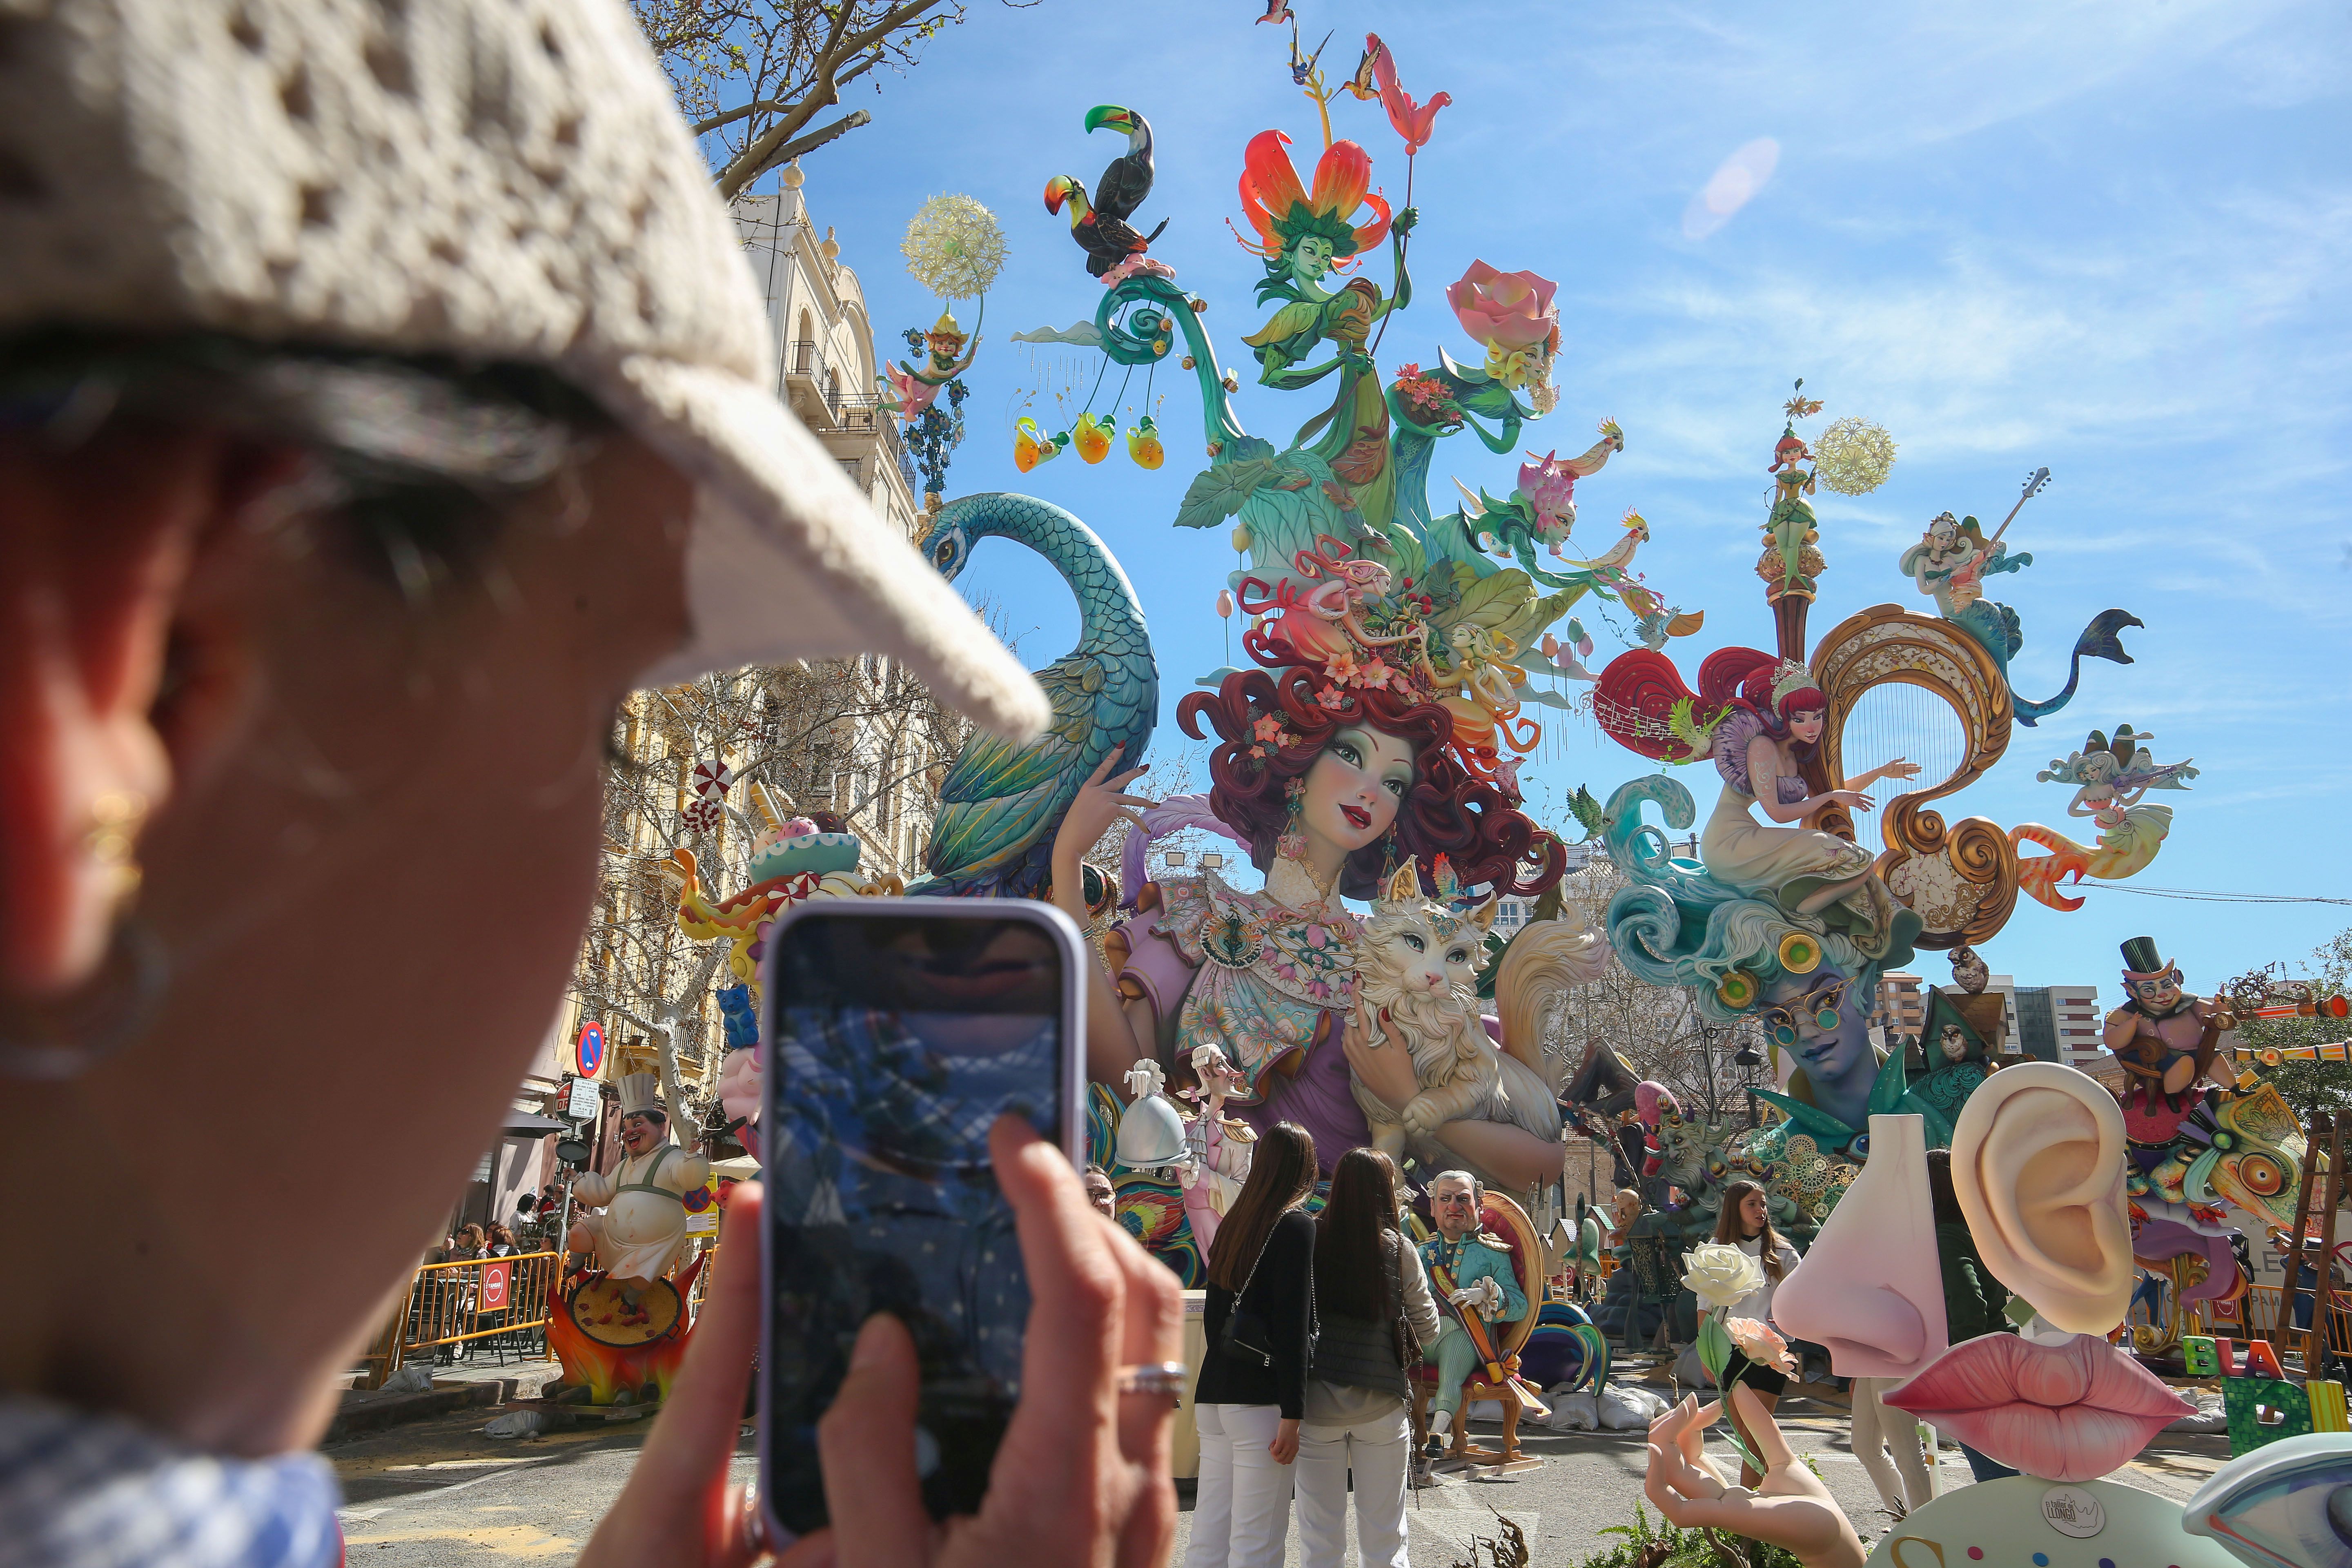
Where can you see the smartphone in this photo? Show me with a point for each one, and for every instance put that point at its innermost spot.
(899, 1030)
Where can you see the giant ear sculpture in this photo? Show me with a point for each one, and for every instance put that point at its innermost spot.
(1871, 1289)
(2038, 1164)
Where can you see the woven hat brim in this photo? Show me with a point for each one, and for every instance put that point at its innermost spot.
(788, 560)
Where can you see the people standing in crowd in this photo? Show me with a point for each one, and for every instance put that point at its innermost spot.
(470, 1240)
(1376, 1315)
(1746, 1223)
(1261, 1328)
(500, 1242)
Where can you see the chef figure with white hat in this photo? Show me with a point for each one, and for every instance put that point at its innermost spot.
(384, 395)
(641, 1235)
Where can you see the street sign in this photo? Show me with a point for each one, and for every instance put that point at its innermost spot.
(494, 1286)
(582, 1106)
(588, 1050)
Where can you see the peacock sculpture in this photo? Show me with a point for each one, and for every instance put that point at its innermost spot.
(1002, 802)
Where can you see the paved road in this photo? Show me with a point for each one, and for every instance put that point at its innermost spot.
(439, 1492)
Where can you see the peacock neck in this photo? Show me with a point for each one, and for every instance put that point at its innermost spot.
(1109, 615)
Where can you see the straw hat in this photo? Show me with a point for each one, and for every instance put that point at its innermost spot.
(488, 181)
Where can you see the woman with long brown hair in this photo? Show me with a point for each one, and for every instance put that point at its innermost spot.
(1261, 1331)
(1746, 1223)
(1377, 1313)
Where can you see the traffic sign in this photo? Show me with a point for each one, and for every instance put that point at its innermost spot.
(588, 1050)
(582, 1106)
(494, 1286)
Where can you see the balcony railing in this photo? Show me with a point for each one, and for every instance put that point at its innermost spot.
(850, 413)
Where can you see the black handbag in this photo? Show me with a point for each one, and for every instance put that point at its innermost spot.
(1247, 1335)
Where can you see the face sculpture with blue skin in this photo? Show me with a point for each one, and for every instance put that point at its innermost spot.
(1838, 1063)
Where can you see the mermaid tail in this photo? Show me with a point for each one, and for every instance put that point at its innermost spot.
(2123, 853)
(2101, 639)
(2040, 875)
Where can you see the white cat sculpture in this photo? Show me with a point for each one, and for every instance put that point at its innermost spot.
(1417, 973)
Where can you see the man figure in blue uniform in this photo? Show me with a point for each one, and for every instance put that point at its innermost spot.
(1469, 1271)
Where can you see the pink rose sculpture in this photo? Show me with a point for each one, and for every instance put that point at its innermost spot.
(1505, 311)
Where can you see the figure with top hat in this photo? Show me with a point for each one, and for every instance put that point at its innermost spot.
(2163, 1037)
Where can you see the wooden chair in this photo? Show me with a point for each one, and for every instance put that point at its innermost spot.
(1504, 1218)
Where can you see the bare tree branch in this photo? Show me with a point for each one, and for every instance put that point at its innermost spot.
(752, 74)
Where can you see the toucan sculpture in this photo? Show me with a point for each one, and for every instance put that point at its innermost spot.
(1100, 226)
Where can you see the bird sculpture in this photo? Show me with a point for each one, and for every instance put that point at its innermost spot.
(1617, 560)
(1100, 226)
(1002, 802)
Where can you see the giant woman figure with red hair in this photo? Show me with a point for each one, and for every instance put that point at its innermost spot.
(1336, 764)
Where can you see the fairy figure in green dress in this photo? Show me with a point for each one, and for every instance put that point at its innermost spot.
(1305, 238)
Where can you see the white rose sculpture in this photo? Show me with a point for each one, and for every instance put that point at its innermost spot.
(1720, 1274)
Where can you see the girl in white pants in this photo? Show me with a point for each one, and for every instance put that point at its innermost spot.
(1369, 1277)
(1252, 1387)
(1241, 1505)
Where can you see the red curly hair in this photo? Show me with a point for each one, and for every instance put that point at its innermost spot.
(1447, 811)
(1638, 690)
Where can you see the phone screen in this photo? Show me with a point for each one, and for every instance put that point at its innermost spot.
(897, 1039)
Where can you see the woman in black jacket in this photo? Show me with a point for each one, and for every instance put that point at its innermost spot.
(1261, 1332)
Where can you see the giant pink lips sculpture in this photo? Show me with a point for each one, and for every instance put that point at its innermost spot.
(2063, 1413)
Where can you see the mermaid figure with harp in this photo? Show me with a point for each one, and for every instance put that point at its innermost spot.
(1761, 719)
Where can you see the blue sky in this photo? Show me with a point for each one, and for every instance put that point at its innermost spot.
(2110, 238)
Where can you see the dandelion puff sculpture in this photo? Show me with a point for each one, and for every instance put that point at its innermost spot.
(953, 247)
(1853, 456)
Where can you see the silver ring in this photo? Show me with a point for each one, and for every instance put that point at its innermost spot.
(1161, 1377)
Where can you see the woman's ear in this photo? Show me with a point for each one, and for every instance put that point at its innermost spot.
(2038, 1164)
(95, 559)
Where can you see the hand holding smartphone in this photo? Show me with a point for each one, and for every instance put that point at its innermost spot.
(900, 1032)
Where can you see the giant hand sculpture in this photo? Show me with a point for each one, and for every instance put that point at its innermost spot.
(1790, 1508)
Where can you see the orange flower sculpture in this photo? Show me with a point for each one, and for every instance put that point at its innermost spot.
(1284, 211)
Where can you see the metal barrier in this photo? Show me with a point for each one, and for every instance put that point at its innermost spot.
(459, 1303)
(2260, 1309)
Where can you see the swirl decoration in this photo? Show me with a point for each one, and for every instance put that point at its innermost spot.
(1140, 318)
(1961, 880)
(1676, 926)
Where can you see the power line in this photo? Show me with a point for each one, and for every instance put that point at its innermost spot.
(2207, 896)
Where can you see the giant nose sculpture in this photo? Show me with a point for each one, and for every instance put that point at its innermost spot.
(1871, 1289)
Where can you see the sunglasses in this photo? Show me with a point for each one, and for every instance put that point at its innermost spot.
(1822, 1005)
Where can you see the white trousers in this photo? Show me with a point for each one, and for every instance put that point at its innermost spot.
(1241, 1505)
(1878, 1428)
(1378, 1452)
